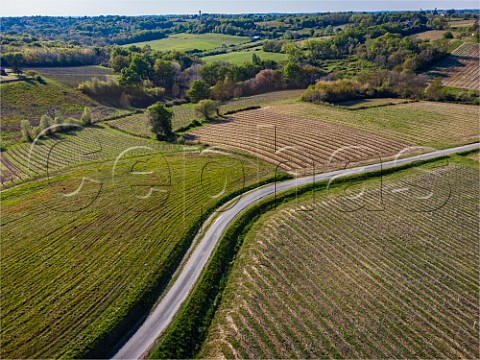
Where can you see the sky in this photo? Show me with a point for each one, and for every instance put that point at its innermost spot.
(160, 7)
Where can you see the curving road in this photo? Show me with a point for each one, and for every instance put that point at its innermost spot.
(145, 337)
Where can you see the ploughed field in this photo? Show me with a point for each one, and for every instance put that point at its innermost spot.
(461, 69)
(295, 143)
(359, 275)
(79, 250)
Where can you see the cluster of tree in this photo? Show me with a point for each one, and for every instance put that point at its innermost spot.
(183, 75)
(164, 69)
(112, 93)
(206, 108)
(222, 82)
(143, 35)
(286, 26)
(274, 46)
(212, 73)
(360, 39)
(49, 126)
(54, 57)
(108, 30)
(392, 50)
(378, 84)
(98, 30)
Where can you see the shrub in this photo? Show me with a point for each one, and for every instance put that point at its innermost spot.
(86, 118)
(31, 73)
(58, 121)
(333, 91)
(45, 122)
(26, 130)
(207, 108)
(447, 35)
(434, 91)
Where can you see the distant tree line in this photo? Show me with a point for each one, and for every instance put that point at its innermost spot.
(54, 57)
(109, 30)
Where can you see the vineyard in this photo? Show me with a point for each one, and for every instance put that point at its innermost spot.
(73, 76)
(183, 115)
(371, 103)
(461, 68)
(262, 100)
(296, 143)
(138, 124)
(420, 123)
(135, 125)
(332, 282)
(26, 160)
(431, 35)
(76, 255)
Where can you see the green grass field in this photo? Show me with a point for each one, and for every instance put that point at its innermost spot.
(72, 266)
(397, 278)
(240, 57)
(185, 42)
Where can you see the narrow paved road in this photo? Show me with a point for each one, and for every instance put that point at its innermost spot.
(158, 320)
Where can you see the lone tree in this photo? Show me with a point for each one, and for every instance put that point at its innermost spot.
(199, 90)
(160, 118)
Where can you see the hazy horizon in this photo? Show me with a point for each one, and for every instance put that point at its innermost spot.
(150, 7)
